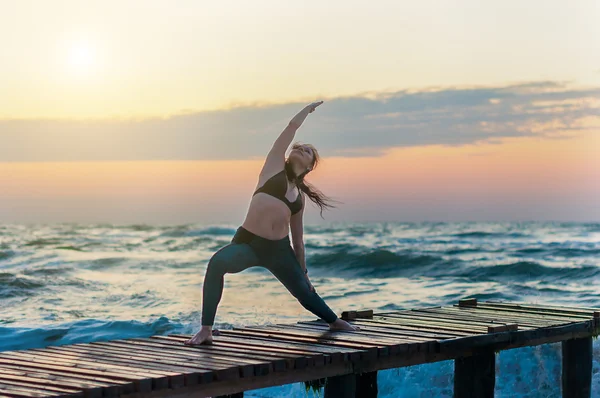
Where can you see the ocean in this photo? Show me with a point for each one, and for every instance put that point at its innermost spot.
(73, 283)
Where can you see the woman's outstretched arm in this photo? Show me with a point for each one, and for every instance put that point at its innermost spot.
(276, 156)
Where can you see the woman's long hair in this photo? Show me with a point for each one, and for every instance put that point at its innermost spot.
(313, 193)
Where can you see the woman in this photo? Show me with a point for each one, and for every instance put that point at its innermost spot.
(276, 207)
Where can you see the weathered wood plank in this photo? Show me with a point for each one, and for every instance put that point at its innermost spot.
(467, 302)
(159, 380)
(180, 366)
(296, 358)
(535, 314)
(91, 389)
(190, 371)
(336, 352)
(459, 317)
(391, 342)
(16, 391)
(430, 325)
(364, 350)
(477, 315)
(395, 343)
(543, 307)
(129, 384)
(41, 388)
(505, 340)
(532, 319)
(110, 387)
(396, 333)
(417, 330)
(441, 323)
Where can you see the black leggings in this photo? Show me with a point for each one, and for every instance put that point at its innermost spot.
(249, 250)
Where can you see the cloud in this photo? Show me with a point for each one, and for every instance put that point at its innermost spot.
(363, 125)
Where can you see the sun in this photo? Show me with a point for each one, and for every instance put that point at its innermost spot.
(81, 58)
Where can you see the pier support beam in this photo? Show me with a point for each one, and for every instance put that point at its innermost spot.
(341, 386)
(577, 368)
(366, 385)
(475, 376)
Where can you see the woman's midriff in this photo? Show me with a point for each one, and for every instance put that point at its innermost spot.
(268, 217)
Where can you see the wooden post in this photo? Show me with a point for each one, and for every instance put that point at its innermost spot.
(475, 376)
(366, 385)
(577, 368)
(341, 386)
(468, 302)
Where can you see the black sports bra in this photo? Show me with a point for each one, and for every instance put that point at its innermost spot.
(276, 186)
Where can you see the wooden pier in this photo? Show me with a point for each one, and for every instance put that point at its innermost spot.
(248, 358)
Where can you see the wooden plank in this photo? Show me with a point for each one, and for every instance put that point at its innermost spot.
(340, 353)
(509, 327)
(323, 333)
(468, 302)
(577, 368)
(396, 344)
(430, 325)
(403, 326)
(548, 310)
(221, 370)
(18, 391)
(228, 352)
(458, 317)
(297, 358)
(159, 380)
(204, 373)
(531, 319)
(165, 361)
(517, 304)
(307, 351)
(110, 387)
(538, 313)
(290, 360)
(433, 323)
(483, 318)
(140, 384)
(352, 315)
(91, 390)
(42, 388)
(386, 340)
(409, 336)
(475, 376)
(365, 350)
(416, 335)
(190, 371)
(505, 340)
(348, 341)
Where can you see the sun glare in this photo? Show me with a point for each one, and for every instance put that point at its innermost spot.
(81, 58)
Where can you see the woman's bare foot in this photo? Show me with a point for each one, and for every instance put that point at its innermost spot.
(339, 324)
(204, 336)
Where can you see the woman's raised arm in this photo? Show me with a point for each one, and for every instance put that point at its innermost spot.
(284, 140)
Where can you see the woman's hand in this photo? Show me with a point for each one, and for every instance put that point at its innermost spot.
(311, 107)
(297, 121)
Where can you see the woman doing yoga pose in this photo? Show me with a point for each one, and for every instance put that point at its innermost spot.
(277, 207)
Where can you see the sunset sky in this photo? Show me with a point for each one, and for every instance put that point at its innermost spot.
(162, 112)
